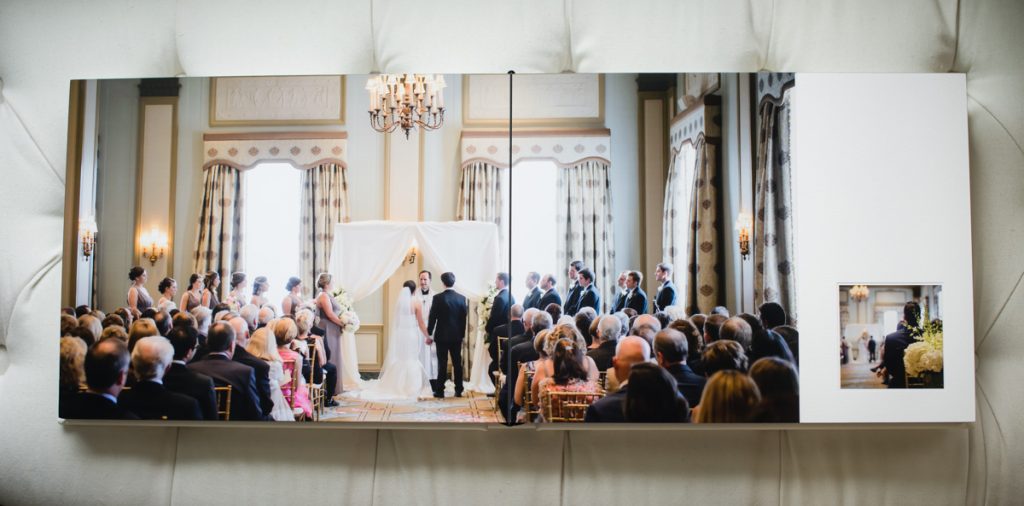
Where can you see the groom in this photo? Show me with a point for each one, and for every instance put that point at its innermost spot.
(447, 325)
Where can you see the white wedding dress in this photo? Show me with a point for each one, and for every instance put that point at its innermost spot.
(402, 377)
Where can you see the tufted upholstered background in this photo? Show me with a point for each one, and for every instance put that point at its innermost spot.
(44, 43)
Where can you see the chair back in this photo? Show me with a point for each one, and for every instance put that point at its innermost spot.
(529, 408)
(602, 380)
(316, 392)
(568, 406)
(288, 387)
(223, 402)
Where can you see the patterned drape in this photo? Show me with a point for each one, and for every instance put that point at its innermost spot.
(585, 223)
(219, 235)
(324, 204)
(703, 291)
(675, 232)
(481, 198)
(774, 273)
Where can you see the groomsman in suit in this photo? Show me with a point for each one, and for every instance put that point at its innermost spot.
(588, 294)
(533, 291)
(499, 318)
(636, 299)
(217, 364)
(574, 291)
(151, 357)
(666, 295)
(180, 379)
(106, 370)
(550, 296)
(620, 293)
(447, 325)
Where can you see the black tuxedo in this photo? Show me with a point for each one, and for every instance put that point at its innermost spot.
(525, 337)
(90, 406)
(262, 371)
(179, 379)
(549, 297)
(588, 298)
(245, 400)
(512, 328)
(151, 401)
(665, 297)
(609, 409)
(637, 300)
(690, 384)
(892, 356)
(520, 353)
(572, 299)
(500, 311)
(771, 344)
(620, 301)
(447, 323)
(603, 354)
(532, 299)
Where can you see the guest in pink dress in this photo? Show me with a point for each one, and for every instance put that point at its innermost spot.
(285, 331)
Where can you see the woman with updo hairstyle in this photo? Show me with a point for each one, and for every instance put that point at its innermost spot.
(729, 397)
(212, 283)
(285, 331)
(653, 396)
(723, 355)
(236, 295)
(138, 298)
(569, 374)
(330, 322)
(292, 301)
(168, 288)
(193, 296)
(259, 291)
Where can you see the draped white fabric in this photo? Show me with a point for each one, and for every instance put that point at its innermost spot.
(365, 254)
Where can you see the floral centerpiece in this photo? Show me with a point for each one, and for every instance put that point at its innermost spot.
(483, 309)
(923, 359)
(346, 312)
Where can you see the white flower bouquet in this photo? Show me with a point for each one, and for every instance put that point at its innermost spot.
(925, 356)
(343, 300)
(346, 313)
(351, 321)
(483, 309)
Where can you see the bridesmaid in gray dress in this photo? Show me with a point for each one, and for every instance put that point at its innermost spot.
(331, 324)
(138, 298)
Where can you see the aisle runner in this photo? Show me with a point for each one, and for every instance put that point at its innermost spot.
(472, 408)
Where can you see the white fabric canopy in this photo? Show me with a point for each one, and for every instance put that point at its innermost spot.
(366, 253)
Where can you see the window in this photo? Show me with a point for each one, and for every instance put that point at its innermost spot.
(272, 192)
(533, 210)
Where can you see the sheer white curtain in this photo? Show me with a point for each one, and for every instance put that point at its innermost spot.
(675, 234)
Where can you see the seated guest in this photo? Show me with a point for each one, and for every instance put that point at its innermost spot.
(184, 319)
(654, 396)
(895, 346)
(182, 380)
(250, 313)
(125, 315)
(148, 313)
(723, 355)
(284, 332)
(713, 328)
(67, 310)
(631, 350)
(72, 373)
(263, 346)
(203, 318)
(148, 398)
(115, 331)
(265, 314)
(514, 327)
(547, 369)
(68, 323)
(629, 312)
(593, 334)
(694, 345)
(624, 320)
(521, 386)
(260, 368)
(522, 353)
(568, 372)
(82, 310)
(698, 321)
(162, 319)
(609, 329)
(721, 310)
(113, 320)
(737, 329)
(582, 321)
(555, 311)
(245, 400)
(646, 326)
(91, 323)
(106, 370)
(143, 327)
(84, 334)
(525, 336)
(322, 369)
(764, 342)
(729, 397)
(792, 337)
(779, 385)
(671, 350)
(663, 319)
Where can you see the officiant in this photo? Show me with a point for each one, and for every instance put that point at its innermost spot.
(428, 352)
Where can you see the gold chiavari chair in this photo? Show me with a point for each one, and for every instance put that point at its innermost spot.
(568, 406)
(293, 382)
(602, 381)
(529, 410)
(316, 391)
(223, 402)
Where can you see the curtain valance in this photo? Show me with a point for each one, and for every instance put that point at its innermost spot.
(303, 150)
(566, 148)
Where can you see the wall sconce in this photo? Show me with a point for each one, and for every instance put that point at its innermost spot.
(154, 244)
(410, 258)
(87, 235)
(743, 227)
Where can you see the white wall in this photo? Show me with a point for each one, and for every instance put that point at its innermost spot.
(621, 118)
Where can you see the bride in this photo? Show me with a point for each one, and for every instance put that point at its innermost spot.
(402, 377)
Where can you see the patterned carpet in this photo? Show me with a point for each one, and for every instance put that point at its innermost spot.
(471, 408)
(859, 375)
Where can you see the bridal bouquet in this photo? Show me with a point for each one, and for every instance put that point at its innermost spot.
(925, 356)
(347, 313)
(351, 321)
(343, 300)
(483, 309)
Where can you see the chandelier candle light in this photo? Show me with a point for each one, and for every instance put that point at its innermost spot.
(406, 101)
(859, 293)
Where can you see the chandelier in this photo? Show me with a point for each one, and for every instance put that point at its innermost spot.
(859, 293)
(406, 101)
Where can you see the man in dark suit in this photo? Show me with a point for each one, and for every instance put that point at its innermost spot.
(611, 409)
(149, 399)
(609, 328)
(549, 295)
(180, 379)
(261, 369)
(533, 291)
(500, 314)
(447, 326)
(521, 353)
(588, 294)
(620, 293)
(106, 370)
(671, 349)
(636, 299)
(217, 364)
(512, 329)
(896, 345)
(525, 336)
(666, 295)
(574, 291)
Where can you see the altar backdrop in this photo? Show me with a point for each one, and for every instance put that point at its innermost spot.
(366, 253)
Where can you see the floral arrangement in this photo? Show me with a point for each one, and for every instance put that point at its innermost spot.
(351, 321)
(483, 309)
(347, 313)
(926, 354)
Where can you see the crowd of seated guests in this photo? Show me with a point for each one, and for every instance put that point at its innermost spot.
(665, 367)
(155, 361)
